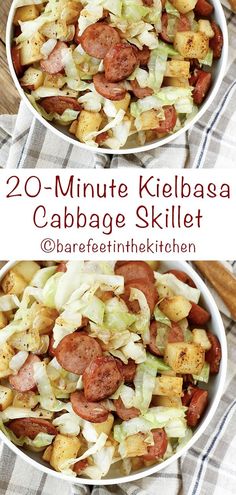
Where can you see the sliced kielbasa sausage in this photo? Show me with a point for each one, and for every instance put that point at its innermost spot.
(213, 356)
(143, 55)
(198, 316)
(183, 277)
(174, 334)
(31, 427)
(188, 395)
(58, 104)
(54, 63)
(196, 407)
(76, 351)
(168, 124)
(216, 43)
(62, 267)
(138, 91)
(201, 80)
(90, 411)
(101, 378)
(16, 60)
(80, 466)
(125, 413)
(127, 370)
(203, 8)
(148, 289)
(157, 450)
(152, 346)
(111, 91)
(119, 62)
(24, 380)
(133, 270)
(182, 24)
(98, 39)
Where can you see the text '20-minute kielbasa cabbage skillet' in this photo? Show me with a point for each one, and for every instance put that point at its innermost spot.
(113, 69)
(102, 363)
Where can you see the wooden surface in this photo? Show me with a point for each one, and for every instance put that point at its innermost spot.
(9, 98)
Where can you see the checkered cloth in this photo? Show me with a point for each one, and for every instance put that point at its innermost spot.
(24, 142)
(207, 468)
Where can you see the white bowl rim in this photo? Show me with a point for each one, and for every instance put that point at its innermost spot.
(158, 467)
(139, 149)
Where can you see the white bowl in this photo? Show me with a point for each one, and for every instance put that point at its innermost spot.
(215, 392)
(219, 68)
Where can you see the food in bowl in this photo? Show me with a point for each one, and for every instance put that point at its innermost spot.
(114, 71)
(103, 363)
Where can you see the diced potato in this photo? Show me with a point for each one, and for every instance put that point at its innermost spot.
(191, 45)
(32, 79)
(44, 319)
(73, 127)
(26, 269)
(149, 119)
(64, 448)
(54, 81)
(25, 399)
(106, 426)
(177, 68)
(26, 341)
(26, 13)
(3, 320)
(47, 453)
(164, 291)
(135, 445)
(169, 386)
(175, 307)
(123, 104)
(54, 30)
(178, 82)
(71, 12)
(184, 6)
(6, 354)
(154, 264)
(185, 357)
(13, 283)
(87, 122)
(200, 337)
(168, 373)
(30, 49)
(6, 397)
(161, 400)
(205, 27)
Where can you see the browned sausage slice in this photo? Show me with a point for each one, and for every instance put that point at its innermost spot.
(140, 92)
(111, 91)
(90, 411)
(24, 380)
(76, 351)
(62, 267)
(31, 427)
(152, 346)
(127, 370)
(101, 378)
(148, 289)
(213, 356)
(157, 450)
(143, 55)
(125, 413)
(133, 270)
(119, 62)
(15, 53)
(202, 82)
(203, 8)
(196, 407)
(98, 38)
(59, 104)
(54, 63)
(198, 316)
(183, 277)
(175, 333)
(168, 124)
(188, 395)
(80, 466)
(216, 43)
(182, 24)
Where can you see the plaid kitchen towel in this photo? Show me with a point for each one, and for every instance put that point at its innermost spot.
(207, 468)
(25, 142)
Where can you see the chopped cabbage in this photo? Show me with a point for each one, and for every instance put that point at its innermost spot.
(178, 287)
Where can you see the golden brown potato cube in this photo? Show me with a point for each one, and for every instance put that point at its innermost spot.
(44, 319)
(200, 337)
(13, 283)
(54, 81)
(26, 269)
(169, 386)
(178, 82)
(73, 127)
(54, 30)
(123, 104)
(175, 307)
(6, 354)
(71, 12)
(25, 399)
(191, 45)
(25, 13)
(26, 341)
(32, 79)
(185, 357)
(205, 27)
(3, 320)
(161, 400)
(149, 119)
(104, 427)
(30, 49)
(6, 397)
(47, 453)
(177, 68)
(135, 445)
(64, 448)
(87, 122)
(184, 6)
